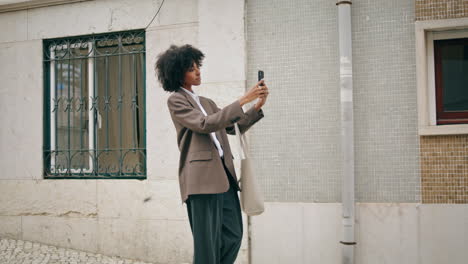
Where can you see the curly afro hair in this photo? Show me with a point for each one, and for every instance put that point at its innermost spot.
(172, 64)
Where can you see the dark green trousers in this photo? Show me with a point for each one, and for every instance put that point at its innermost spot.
(216, 223)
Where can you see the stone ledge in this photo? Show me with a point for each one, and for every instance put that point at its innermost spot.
(23, 5)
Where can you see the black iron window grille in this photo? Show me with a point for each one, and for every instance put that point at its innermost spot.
(94, 108)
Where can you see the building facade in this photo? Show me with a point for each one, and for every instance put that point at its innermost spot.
(90, 156)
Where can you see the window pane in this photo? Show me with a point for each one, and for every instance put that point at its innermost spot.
(119, 82)
(72, 114)
(79, 133)
(454, 61)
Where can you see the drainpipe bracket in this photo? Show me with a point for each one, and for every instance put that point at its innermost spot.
(344, 2)
(348, 243)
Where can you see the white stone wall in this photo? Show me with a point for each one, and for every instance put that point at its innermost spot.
(109, 216)
(405, 233)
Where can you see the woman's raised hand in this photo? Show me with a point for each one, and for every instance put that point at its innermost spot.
(262, 98)
(255, 92)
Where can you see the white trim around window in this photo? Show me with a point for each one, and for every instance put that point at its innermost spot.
(426, 33)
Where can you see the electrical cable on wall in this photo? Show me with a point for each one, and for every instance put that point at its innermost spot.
(155, 14)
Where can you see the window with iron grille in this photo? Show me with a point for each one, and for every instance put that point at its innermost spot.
(94, 108)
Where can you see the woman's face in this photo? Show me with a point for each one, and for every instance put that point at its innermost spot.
(192, 76)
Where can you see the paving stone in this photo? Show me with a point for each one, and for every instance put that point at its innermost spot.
(26, 252)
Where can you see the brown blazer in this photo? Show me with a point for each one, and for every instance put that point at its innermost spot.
(200, 167)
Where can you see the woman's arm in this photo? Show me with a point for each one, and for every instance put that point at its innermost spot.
(251, 117)
(192, 118)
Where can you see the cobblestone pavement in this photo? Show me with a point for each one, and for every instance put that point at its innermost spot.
(25, 252)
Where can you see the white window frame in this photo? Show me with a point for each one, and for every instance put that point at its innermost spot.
(426, 33)
(53, 125)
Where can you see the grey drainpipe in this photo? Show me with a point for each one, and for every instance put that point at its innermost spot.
(347, 130)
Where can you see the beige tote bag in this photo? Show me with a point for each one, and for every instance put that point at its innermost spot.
(251, 197)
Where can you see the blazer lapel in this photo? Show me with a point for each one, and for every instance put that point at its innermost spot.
(206, 105)
(190, 99)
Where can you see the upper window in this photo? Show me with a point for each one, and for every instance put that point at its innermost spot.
(451, 80)
(95, 106)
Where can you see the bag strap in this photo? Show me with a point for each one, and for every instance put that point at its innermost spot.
(240, 142)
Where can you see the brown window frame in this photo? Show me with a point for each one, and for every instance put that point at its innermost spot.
(444, 117)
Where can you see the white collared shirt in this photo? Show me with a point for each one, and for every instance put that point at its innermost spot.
(212, 134)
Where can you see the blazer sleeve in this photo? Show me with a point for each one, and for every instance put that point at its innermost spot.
(194, 119)
(251, 117)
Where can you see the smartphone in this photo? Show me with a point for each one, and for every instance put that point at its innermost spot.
(261, 75)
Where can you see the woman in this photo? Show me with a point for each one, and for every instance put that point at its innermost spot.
(207, 179)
